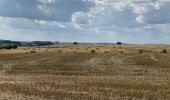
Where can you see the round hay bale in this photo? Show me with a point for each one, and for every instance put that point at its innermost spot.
(121, 51)
(86, 48)
(93, 51)
(106, 51)
(97, 48)
(74, 51)
(164, 50)
(140, 51)
(59, 51)
(33, 51)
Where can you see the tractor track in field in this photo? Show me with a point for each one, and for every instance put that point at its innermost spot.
(157, 60)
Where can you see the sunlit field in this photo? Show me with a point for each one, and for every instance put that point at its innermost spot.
(86, 72)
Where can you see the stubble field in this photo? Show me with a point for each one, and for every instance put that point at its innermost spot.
(89, 72)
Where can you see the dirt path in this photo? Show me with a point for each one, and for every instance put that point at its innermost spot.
(92, 61)
(153, 57)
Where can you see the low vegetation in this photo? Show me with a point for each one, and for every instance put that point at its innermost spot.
(68, 73)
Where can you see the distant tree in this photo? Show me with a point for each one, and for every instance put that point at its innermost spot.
(75, 42)
(6, 42)
(7, 47)
(119, 43)
(1, 47)
(14, 46)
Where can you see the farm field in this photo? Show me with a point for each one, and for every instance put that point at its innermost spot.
(85, 72)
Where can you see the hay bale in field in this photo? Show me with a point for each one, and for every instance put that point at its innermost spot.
(164, 50)
(74, 51)
(140, 51)
(33, 51)
(97, 48)
(59, 51)
(93, 51)
(121, 51)
(106, 51)
(86, 48)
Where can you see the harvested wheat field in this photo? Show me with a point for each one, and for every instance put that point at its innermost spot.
(132, 72)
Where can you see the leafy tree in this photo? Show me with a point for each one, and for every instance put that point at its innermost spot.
(75, 42)
(7, 46)
(119, 43)
(14, 46)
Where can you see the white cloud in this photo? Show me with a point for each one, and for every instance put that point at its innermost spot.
(46, 1)
(88, 20)
(62, 26)
(140, 19)
(41, 22)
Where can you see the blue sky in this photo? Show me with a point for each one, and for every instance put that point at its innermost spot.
(130, 21)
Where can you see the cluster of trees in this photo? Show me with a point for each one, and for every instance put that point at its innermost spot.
(8, 46)
(37, 43)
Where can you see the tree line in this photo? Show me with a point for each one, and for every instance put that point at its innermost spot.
(8, 46)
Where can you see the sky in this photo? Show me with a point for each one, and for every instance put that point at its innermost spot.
(128, 21)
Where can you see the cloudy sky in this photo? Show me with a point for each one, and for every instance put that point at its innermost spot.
(130, 21)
